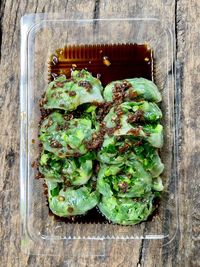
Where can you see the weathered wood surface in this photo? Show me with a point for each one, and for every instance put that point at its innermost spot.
(184, 250)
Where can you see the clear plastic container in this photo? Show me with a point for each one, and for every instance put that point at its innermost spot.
(41, 35)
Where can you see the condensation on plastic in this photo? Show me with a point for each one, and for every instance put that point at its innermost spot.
(41, 35)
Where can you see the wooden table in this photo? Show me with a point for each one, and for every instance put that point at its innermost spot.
(184, 251)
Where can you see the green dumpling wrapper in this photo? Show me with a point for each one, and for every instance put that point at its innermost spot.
(126, 211)
(74, 171)
(66, 138)
(142, 111)
(68, 94)
(135, 88)
(71, 201)
(116, 152)
(124, 180)
(152, 133)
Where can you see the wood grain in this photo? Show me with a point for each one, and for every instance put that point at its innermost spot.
(184, 250)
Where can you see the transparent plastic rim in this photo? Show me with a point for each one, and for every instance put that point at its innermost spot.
(28, 28)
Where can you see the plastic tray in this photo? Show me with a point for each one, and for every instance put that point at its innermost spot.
(41, 35)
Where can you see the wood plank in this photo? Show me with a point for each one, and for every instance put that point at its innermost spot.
(185, 247)
(188, 23)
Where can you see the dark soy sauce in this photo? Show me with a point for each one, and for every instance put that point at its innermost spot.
(110, 62)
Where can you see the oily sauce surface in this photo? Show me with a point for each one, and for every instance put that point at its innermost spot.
(110, 62)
